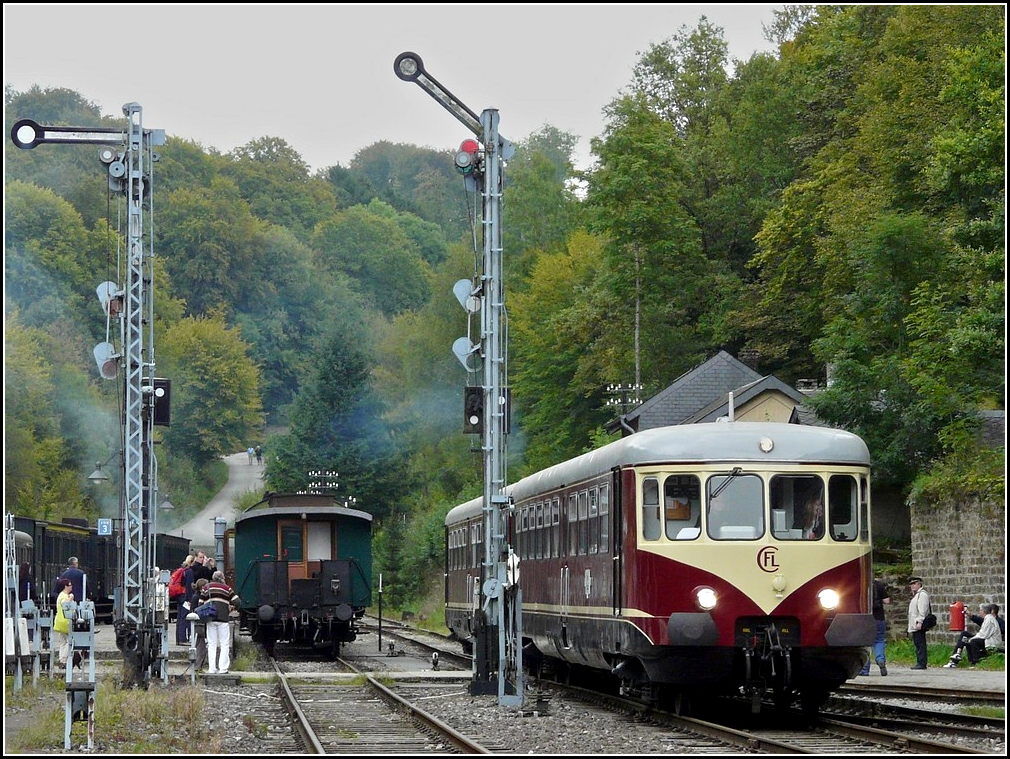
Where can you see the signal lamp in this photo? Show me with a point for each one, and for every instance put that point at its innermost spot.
(466, 158)
(473, 410)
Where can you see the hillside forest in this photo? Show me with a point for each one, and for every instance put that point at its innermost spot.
(836, 208)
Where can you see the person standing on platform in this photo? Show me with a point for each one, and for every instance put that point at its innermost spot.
(75, 575)
(200, 569)
(219, 628)
(61, 623)
(880, 598)
(918, 608)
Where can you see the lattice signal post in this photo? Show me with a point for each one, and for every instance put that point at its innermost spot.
(141, 606)
(498, 650)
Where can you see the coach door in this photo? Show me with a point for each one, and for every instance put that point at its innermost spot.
(291, 548)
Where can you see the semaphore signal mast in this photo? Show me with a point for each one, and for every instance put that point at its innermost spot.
(498, 651)
(141, 611)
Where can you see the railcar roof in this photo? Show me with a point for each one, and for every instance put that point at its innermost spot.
(730, 442)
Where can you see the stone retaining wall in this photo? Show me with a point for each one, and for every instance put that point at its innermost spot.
(959, 550)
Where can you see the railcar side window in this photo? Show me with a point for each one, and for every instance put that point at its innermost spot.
(540, 531)
(594, 522)
(556, 527)
(864, 509)
(735, 507)
(573, 526)
(650, 508)
(604, 518)
(843, 506)
(583, 522)
(682, 506)
(797, 507)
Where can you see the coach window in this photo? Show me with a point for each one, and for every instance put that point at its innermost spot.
(604, 518)
(735, 506)
(682, 506)
(650, 508)
(843, 506)
(474, 539)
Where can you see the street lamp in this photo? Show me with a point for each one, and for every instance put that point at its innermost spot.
(99, 476)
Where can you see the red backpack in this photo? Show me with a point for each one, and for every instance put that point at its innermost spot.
(175, 586)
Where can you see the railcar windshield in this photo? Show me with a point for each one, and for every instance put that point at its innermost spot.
(735, 507)
(798, 507)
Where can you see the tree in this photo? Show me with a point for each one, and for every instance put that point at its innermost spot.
(558, 372)
(541, 209)
(376, 254)
(42, 467)
(210, 243)
(216, 406)
(45, 244)
(659, 281)
(274, 180)
(337, 424)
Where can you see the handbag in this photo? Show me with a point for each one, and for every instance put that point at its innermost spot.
(929, 621)
(206, 610)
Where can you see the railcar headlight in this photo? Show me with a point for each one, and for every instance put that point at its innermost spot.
(828, 598)
(706, 598)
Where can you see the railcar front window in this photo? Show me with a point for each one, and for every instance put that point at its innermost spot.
(797, 507)
(735, 507)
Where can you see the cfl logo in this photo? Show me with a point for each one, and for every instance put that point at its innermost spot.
(767, 559)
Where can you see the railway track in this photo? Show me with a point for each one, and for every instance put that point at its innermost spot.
(363, 716)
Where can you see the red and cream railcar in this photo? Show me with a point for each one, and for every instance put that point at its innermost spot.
(730, 557)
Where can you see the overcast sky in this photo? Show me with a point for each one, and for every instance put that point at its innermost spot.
(320, 76)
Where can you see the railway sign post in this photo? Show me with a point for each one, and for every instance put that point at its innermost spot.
(498, 651)
(141, 630)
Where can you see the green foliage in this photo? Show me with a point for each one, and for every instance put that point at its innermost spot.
(969, 471)
(213, 248)
(559, 377)
(376, 255)
(337, 424)
(215, 389)
(48, 408)
(274, 180)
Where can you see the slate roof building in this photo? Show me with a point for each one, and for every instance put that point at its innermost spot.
(722, 387)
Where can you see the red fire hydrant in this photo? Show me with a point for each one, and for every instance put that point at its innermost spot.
(957, 617)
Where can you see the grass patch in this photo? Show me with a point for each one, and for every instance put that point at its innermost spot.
(136, 721)
(903, 652)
